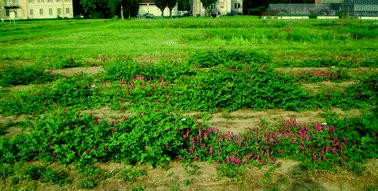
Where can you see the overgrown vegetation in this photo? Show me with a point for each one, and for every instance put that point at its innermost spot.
(165, 105)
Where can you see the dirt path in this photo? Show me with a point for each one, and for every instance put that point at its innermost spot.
(239, 121)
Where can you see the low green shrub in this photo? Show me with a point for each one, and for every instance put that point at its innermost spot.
(360, 95)
(66, 63)
(317, 75)
(210, 58)
(75, 90)
(346, 61)
(126, 69)
(15, 75)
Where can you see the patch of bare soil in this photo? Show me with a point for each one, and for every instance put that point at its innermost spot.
(157, 58)
(289, 175)
(86, 70)
(9, 125)
(173, 176)
(17, 62)
(239, 121)
(319, 86)
(297, 69)
(107, 113)
(18, 88)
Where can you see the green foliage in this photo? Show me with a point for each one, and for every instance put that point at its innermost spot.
(88, 183)
(234, 171)
(346, 61)
(130, 175)
(210, 58)
(207, 3)
(317, 75)
(67, 136)
(66, 63)
(13, 75)
(28, 172)
(360, 95)
(229, 86)
(126, 69)
(70, 91)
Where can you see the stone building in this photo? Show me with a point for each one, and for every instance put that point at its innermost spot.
(37, 9)
(222, 7)
(149, 7)
(353, 8)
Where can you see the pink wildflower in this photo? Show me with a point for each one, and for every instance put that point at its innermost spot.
(313, 157)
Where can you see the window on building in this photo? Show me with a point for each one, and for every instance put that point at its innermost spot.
(67, 10)
(31, 12)
(59, 11)
(212, 6)
(236, 5)
(41, 12)
(50, 11)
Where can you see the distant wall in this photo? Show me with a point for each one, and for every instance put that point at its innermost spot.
(151, 8)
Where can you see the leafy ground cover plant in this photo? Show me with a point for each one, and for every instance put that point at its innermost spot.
(15, 75)
(363, 94)
(156, 137)
(210, 58)
(70, 91)
(66, 63)
(68, 136)
(346, 61)
(127, 69)
(316, 75)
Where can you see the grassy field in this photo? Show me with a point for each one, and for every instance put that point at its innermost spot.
(233, 103)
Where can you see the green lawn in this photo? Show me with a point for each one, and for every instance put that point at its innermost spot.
(44, 40)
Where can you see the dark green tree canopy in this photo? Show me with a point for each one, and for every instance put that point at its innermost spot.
(161, 4)
(207, 3)
(171, 4)
(109, 8)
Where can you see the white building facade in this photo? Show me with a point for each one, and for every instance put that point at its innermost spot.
(222, 7)
(38, 9)
(149, 7)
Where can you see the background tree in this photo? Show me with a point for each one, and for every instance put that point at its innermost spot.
(184, 5)
(130, 8)
(207, 4)
(95, 8)
(171, 4)
(161, 4)
(114, 6)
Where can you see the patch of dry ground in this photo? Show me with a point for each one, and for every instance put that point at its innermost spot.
(173, 176)
(324, 85)
(289, 175)
(107, 113)
(283, 175)
(9, 125)
(239, 121)
(86, 70)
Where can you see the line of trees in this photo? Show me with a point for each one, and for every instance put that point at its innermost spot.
(112, 8)
(106, 8)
